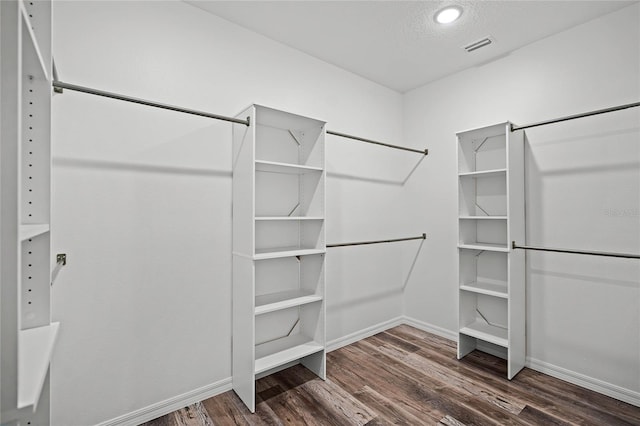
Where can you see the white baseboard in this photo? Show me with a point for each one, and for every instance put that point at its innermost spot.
(169, 405)
(596, 385)
(430, 328)
(364, 333)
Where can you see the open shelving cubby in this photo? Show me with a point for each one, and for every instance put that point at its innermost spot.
(491, 304)
(28, 335)
(278, 246)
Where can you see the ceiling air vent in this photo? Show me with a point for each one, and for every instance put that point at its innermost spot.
(478, 44)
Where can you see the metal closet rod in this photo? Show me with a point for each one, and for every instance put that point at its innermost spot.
(357, 138)
(59, 86)
(572, 117)
(592, 253)
(362, 243)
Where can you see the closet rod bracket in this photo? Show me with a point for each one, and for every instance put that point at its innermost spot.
(61, 260)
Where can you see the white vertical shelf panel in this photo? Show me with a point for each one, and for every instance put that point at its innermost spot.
(278, 246)
(27, 334)
(243, 380)
(516, 270)
(10, 135)
(491, 288)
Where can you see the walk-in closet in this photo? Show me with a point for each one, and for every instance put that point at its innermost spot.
(319, 212)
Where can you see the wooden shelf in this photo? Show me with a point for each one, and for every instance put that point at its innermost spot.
(275, 167)
(288, 218)
(484, 173)
(485, 246)
(35, 347)
(490, 289)
(482, 217)
(32, 230)
(279, 352)
(283, 300)
(488, 333)
(275, 253)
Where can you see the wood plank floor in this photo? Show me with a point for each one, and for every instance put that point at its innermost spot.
(408, 377)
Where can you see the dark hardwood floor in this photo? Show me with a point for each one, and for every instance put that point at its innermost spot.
(409, 377)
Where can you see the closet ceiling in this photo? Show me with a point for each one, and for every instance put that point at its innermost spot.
(397, 43)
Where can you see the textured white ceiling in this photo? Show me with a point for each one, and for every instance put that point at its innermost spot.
(397, 43)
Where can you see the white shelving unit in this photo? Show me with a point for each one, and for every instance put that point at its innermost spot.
(27, 335)
(491, 279)
(278, 246)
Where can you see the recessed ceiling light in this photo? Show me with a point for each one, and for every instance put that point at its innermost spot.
(448, 14)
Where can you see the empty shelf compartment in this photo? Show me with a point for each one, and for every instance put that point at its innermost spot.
(297, 141)
(483, 197)
(483, 150)
(273, 235)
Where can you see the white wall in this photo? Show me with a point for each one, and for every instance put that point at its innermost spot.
(142, 198)
(583, 192)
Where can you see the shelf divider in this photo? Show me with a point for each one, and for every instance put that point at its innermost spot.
(482, 217)
(485, 246)
(287, 218)
(484, 173)
(276, 167)
(281, 351)
(488, 333)
(490, 289)
(285, 252)
(284, 300)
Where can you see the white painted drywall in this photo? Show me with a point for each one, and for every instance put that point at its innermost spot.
(583, 192)
(142, 198)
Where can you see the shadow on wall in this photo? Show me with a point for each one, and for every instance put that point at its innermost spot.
(79, 163)
(587, 278)
(413, 265)
(378, 296)
(377, 180)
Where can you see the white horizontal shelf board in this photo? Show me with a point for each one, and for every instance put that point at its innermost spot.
(33, 41)
(484, 173)
(485, 246)
(275, 167)
(482, 217)
(274, 253)
(289, 218)
(283, 300)
(483, 287)
(488, 333)
(35, 347)
(281, 351)
(33, 230)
